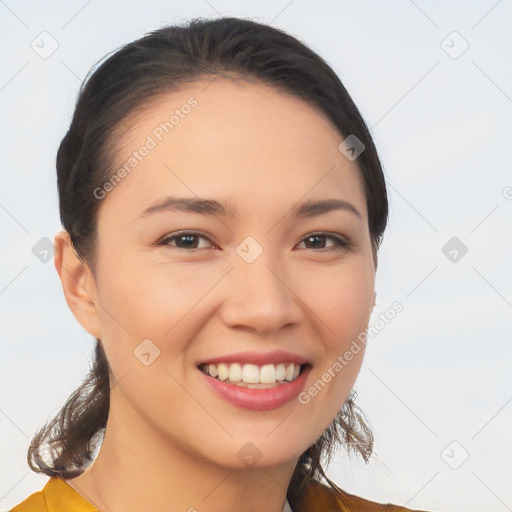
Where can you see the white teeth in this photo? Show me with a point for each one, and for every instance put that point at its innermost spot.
(212, 369)
(280, 371)
(252, 374)
(235, 372)
(268, 374)
(223, 371)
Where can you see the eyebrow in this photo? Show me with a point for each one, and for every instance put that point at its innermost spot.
(214, 207)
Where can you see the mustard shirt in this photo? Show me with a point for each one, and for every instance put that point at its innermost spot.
(58, 496)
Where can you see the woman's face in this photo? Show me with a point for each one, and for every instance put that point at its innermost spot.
(180, 286)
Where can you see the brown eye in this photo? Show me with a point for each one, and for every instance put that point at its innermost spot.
(319, 240)
(185, 240)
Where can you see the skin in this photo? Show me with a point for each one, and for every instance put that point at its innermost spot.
(171, 443)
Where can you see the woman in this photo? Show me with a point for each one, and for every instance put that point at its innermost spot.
(222, 204)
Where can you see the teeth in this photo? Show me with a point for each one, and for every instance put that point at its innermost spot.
(250, 374)
(223, 371)
(280, 371)
(290, 370)
(235, 372)
(253, 374)
(268, 374)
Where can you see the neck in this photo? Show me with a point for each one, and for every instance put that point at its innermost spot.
(138, 469)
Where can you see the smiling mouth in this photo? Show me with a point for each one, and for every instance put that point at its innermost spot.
(254, 376)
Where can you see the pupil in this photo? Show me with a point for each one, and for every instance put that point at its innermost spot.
(189, 238)
(315, 237)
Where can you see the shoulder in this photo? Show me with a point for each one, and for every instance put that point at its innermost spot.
(55, 496)
(34, 503)
(317, 497)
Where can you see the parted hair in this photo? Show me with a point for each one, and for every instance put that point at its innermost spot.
(123, 84)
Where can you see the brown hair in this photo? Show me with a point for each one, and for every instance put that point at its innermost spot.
(125, 82)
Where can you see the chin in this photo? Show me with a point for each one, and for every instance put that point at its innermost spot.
(261, 451)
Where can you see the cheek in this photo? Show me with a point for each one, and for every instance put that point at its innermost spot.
(147, 318)
(158, 302)
(342, 300)
(150, 300)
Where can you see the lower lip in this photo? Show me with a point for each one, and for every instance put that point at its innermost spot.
(258, 399)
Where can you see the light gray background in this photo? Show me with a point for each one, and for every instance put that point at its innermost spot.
(440, 372)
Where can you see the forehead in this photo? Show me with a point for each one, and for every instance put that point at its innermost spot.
(244, 142)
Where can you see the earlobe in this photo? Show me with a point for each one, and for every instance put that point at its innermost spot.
(78, 284)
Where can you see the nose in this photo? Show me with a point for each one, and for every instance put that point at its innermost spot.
(260, 297)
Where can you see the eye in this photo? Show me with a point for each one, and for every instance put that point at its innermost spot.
(185, 240)
(191, 240)
(318, 241)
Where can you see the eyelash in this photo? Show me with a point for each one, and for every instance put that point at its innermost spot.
(341, 243)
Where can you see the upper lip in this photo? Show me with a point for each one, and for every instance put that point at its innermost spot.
(258, 358)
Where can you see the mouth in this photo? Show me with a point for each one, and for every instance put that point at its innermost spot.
(256, 381)
(254, 376)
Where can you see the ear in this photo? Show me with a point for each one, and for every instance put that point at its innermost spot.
(78, 284)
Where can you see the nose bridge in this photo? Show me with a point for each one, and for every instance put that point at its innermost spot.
(259, 296)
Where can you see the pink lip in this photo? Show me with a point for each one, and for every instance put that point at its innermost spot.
(258, 399)
(258, 358)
